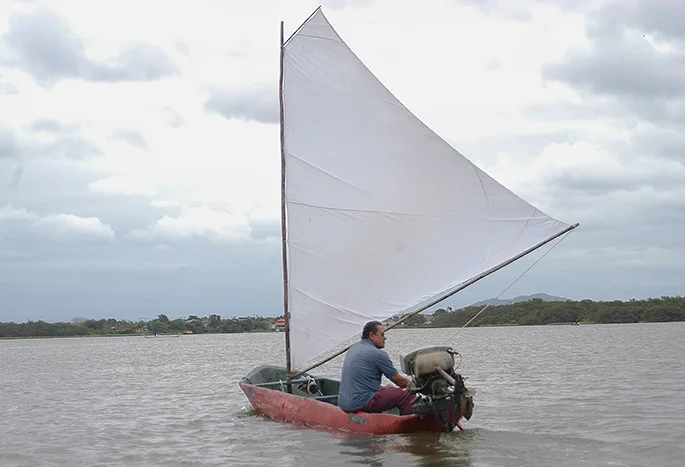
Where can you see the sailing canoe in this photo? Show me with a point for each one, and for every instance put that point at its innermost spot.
(265, 387)
(380, 216)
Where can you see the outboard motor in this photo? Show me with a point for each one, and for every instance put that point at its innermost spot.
(440, 388)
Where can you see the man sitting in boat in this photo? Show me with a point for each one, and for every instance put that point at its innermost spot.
(360, 385)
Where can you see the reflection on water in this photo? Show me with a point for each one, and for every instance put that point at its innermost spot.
(433, 449)
(546, 395)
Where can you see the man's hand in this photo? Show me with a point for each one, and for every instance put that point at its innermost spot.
(400, 380)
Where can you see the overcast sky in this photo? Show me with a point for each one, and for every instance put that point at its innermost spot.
(139, 142)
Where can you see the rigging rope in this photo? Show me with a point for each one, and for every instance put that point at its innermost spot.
(506, 288)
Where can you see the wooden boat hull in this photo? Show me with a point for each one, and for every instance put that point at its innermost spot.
(298, 408)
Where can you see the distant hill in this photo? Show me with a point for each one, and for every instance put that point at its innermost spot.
(521, 298)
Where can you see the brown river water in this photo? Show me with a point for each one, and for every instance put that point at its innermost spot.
(589, 395)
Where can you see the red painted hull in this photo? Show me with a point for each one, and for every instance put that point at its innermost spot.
(283, 406)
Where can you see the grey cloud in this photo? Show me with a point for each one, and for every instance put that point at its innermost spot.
(9, 146)
(45, 46)
(132, 137)
(44, 279)
(66, 142)
(128, 280)
(599, 184)
(659, 142)
(142, 62)
(71, 147)
(53, 187)
(664, 18)
(628, 111)
(16, 178)
(597, 272)
(622, 67)
(647, 189)
(630, 195)
(665, 178)
(627, 216)
(620, 61)
(262, 230)
(670, 112)
(597, 107)
(53, 126)
(522, 13)
(640, 205)
(622, 77)
(256, 105)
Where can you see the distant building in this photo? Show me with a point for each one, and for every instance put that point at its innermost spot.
(280, 325)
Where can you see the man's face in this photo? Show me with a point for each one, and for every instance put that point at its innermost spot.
(378, 337)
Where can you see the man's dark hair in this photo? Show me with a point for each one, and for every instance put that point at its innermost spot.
(370, 327)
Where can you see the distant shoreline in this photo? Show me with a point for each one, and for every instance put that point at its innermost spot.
(427, 326)
(524, 313)
(162, 325)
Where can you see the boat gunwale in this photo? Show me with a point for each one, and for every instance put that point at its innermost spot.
(295, 381)
(247, 386)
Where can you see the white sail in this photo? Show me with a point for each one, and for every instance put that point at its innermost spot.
(382, 214)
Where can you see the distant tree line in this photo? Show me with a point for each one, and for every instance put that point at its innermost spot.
(532, 312)
(161, 324)
(537, 311)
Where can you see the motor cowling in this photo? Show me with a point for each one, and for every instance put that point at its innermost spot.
(422, 366)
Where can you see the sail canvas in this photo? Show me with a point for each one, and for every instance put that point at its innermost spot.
(382, 213)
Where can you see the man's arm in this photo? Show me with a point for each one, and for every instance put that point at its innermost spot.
(390, 372)
(401, 381)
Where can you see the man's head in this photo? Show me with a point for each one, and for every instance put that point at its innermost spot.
(373, 331)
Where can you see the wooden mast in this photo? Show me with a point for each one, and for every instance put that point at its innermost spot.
(286, 314)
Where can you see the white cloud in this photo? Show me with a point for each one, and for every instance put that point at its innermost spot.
(71, 227)
(198, 222)
(9, 213)
(61, 227)
(121, 185)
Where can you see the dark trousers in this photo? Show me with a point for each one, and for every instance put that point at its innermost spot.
(388, 398)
